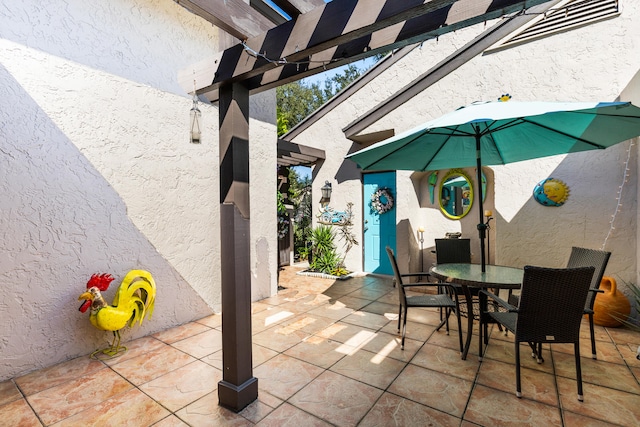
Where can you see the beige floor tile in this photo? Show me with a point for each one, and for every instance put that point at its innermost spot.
(336, 399)
(280, 338)
(536, 385)
(135, 348)
(369, 293)
(415, 331)
(505, 352)
(320, 351)
(213, 321)
(269, 318)
(370, 368)
(259, 354)
(171, 421)
(67, 399)
(202, 344)
(368, 320)
(392, 410)
(596, 372)
(390, 311)
(601, 403)
(130, 408)
(283, 376)
(351, 335)
(306, 322)
(290, 416)
(184, 385)
(447, 361)
(629, 354)
(335, 310)
(489, 407)
(18, 413)
(624, 336)
(37, 381)
(339, 290)
(181, 332)
(257, 410)
(146, 367)
(605, 351)
(306, 303)
(388, 345)
(452, 340)
(578, 420)
(440, 391)
(9, 392)
(206, 412)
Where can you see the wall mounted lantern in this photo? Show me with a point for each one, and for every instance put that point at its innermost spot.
(326, 193)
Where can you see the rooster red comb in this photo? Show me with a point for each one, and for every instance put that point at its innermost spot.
(100, 281)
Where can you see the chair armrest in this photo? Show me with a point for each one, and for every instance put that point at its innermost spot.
(502, 303)
(409, 285)
(423, 274)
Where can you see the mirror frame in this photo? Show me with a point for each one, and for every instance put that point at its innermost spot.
(442, 188)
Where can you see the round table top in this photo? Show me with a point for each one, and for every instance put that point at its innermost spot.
(495, 276)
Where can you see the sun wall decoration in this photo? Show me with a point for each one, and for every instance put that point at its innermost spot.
(551, 192)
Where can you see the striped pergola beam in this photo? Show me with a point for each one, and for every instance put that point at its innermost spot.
(340, 31)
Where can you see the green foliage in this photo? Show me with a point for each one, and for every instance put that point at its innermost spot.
(303, 253)
(327, 262)
(295, 101)
(326, 258)
(283, 217)
(300, 198)
(322, 238)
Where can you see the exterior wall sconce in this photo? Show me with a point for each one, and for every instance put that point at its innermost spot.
(195, 116)
(326, 193)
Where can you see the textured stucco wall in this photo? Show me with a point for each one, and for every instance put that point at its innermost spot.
(595, 62)
(98, 174)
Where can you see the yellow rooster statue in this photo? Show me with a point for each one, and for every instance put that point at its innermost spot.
(132, 303)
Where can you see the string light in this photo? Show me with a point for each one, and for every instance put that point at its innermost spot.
(625, 178)
(283, 61)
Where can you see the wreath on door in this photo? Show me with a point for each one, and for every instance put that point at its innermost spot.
(382, 200)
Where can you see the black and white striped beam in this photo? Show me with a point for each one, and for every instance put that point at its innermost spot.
(340, 31)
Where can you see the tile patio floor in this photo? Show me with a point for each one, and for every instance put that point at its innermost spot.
(327, 353)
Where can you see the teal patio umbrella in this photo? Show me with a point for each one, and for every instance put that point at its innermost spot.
(497, 133)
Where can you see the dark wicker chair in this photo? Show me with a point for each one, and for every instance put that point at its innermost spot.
(550, 311)
(582, 257)
(458, 251)
(437, 300)
(453, 251)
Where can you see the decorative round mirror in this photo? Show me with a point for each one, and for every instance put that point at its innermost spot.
(456, 194)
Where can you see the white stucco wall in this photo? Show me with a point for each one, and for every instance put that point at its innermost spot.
(595, 62)
(98, 174)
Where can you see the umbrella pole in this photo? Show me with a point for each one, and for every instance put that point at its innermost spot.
(482, 227)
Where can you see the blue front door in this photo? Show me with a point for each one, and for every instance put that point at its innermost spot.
(379, 228)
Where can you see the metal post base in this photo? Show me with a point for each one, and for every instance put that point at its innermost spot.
(236, 398)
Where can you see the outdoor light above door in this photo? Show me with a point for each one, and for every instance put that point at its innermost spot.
(326, 193)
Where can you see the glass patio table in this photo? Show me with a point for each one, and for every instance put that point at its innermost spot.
(471, 276)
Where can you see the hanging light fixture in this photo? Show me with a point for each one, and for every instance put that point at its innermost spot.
(195, 117)
(195, 121)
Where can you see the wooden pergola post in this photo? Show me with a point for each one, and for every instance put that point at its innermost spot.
(238, 387)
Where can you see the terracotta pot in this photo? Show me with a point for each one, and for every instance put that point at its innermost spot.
(608, 303)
